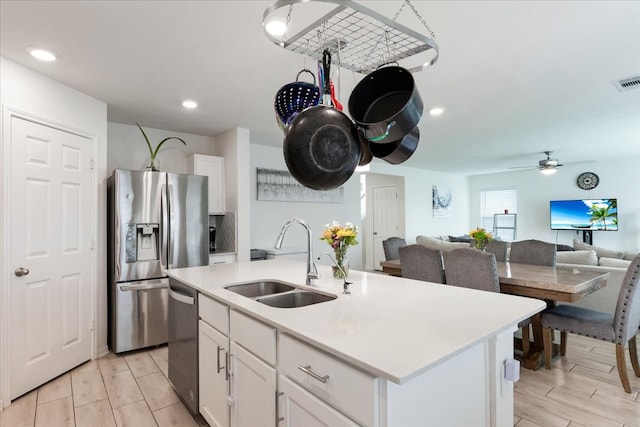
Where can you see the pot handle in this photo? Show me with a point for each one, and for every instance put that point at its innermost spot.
(305, 70)
(380, 137)
(326, 71)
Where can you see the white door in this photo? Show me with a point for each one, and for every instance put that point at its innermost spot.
(385, 219)
(51, 233)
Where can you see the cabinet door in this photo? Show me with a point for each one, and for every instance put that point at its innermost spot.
(213, 385)
(299, 408)
(253, 387)
(213, 167)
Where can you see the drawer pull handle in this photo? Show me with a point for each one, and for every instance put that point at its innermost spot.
(219, 367)
(307, 370)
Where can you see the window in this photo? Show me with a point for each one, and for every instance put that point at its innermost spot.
(499, 202)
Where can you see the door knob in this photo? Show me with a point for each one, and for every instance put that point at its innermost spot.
(21, 271)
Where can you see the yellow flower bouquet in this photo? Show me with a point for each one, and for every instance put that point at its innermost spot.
(340, 238)
(481, 236)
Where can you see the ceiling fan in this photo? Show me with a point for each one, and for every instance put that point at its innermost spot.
(549, 166)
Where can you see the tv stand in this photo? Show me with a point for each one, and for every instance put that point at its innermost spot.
(587, 237)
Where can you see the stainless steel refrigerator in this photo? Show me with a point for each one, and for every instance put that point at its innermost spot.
(156, 220)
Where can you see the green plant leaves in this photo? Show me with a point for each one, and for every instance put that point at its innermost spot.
(153, 153)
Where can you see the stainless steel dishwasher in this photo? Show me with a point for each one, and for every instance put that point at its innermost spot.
(183, 343)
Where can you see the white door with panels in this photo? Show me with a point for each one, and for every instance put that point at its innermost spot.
(385, 220)
(51, 220)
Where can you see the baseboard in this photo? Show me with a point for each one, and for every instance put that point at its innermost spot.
(102, 351)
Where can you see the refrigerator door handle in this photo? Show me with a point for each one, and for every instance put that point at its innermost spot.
(143, 287)
(170, 225)
(165, 226)
(181, 298)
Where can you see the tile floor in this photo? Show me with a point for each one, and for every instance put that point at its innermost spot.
(581, 389)
(115, 390)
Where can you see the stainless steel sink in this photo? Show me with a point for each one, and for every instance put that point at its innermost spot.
(260, 288)
(295, 299)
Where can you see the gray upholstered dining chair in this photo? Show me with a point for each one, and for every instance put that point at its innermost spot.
(534, 252)
(471, 268)
(498, 248)
(421, 263)
(391, 246)
(620, 327)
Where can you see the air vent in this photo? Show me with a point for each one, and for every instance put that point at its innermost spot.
(629, 83)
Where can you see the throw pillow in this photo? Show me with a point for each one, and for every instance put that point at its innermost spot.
(465, 239)
(577, 257)
(443, 245)
(602, 252)
(613, 262)
(562, 248)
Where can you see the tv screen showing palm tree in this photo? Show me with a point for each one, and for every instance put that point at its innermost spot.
(585, 214)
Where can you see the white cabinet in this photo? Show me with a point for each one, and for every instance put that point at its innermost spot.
(298, 408)
(213, 380)
(213, 167)
(237, 377)
(253, 387)
(222, 259)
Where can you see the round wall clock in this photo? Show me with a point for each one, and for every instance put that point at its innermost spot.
(588, 180)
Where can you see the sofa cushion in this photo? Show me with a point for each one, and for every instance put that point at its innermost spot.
(562, 248)
(613, 262)
(629, 256)
(577, 257)
(443, 245)
(601, 252)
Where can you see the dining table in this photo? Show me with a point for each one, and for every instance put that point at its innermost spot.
(551, 284)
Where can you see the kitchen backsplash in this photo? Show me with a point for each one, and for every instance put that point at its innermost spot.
(225, 231)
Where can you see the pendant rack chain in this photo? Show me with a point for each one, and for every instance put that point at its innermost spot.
(420, 18)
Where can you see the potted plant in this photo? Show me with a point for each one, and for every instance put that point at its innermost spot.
(153, 153)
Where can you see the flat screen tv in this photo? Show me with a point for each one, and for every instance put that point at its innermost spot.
(584, 214)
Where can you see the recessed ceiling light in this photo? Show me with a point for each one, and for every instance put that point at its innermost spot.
(275, 25)
(42, 54)
(190, 104)
(436, 111)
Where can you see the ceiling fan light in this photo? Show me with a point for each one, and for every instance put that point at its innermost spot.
(548, 171)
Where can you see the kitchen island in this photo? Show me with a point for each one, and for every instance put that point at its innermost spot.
(400, 352)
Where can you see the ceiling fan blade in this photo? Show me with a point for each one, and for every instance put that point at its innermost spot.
(580, 162)
(524, 167)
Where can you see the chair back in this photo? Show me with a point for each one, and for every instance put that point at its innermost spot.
(626, 320)
(534, 252)
(421, 263)
(471, 268)
(498, 248)
(391, 246)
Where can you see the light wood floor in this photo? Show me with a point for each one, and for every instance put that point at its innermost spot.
(582, 389)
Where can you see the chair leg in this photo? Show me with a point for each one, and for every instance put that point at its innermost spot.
(563, 343)
(633, 353)
(547, 339)
(526, 340)
(622, 368)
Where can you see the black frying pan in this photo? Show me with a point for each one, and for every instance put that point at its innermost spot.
(322, 148)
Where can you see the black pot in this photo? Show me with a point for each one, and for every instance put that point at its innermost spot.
(396, 152)
(322, 148)
(386, 104)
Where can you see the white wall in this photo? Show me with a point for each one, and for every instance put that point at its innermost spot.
(267, 217)
(38, 96)
(618, 179)
(127, 148)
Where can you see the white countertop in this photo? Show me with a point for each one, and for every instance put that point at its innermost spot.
(392, 327)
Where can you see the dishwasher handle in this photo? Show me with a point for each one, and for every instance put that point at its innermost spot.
(185, 299)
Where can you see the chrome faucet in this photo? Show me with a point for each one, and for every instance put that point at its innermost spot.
(345, 284)
(312, 272)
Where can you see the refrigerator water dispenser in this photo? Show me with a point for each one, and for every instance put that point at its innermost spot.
(142, 242)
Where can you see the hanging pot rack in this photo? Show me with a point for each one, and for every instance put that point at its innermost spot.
(364, 38)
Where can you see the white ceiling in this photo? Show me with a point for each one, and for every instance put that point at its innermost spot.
(516, 77)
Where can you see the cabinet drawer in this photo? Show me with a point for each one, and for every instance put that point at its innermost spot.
(222, 259)
(337, 383)
(255, 336)
(214, 313)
